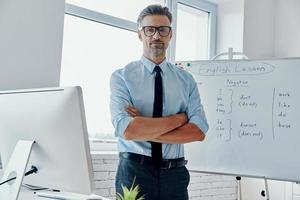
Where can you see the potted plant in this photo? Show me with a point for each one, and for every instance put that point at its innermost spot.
(130, 194)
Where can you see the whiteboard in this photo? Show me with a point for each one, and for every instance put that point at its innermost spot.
(253, 110)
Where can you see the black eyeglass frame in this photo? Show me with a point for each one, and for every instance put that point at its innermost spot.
(157, 28)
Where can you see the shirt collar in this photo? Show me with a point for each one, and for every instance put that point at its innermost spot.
(150, 65)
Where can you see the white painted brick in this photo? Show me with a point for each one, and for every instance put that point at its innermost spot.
(212, 197)
(97, 162)
(112, 175)
(217, 191)
(101, 176)
(107, 161)
(105, 156)
(104, 184)
(112, 191)
(219, 184)
(105, 167)
(194, 193)
(210, 178)
(103, 192)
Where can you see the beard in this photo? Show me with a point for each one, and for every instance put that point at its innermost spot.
(157, 49)
(158, 52)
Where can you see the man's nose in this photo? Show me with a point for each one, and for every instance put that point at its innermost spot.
(156, 35)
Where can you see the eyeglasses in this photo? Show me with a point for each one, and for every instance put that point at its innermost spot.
(163, 31)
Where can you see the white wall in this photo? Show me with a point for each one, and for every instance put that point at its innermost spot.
(259, 29)
(230, 19)
(272, 28)
(30, 43)
(287, 28)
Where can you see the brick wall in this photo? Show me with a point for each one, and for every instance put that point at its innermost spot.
(105, 166)
(202, 186)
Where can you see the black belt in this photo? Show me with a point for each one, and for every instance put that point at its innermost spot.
(165, 163)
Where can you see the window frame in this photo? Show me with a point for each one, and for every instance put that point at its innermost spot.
(212, 23)
(98, 17)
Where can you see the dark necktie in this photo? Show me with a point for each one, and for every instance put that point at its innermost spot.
(157, 112)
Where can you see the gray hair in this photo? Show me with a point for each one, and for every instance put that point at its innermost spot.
(154, 10)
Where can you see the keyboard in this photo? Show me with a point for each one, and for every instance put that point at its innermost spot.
(68, 196)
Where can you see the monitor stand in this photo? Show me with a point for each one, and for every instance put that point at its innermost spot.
(16, 168)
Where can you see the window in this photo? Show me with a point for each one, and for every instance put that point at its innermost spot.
(100, 37)
(91, 52)
(192, 24)
(196, 30)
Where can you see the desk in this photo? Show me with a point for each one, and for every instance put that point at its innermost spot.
(26, 194)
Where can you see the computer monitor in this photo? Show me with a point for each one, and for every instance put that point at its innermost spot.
(55, 119)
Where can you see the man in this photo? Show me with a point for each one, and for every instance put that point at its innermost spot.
(155, 109)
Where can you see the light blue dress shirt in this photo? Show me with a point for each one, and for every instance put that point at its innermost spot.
(134, 85)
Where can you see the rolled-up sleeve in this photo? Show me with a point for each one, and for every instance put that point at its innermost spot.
(119, 99)
(195, 111)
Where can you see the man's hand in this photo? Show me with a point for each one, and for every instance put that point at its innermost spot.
(133, 112)
(147, 128)
(183, 117)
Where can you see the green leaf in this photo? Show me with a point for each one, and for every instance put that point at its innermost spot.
(130, 194)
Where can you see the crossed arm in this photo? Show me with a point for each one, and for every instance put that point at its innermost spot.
(174, 129)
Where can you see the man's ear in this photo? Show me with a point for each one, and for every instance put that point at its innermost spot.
(171, 34)
(140, 35)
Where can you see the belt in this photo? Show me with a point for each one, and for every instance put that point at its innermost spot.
(147, 160)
